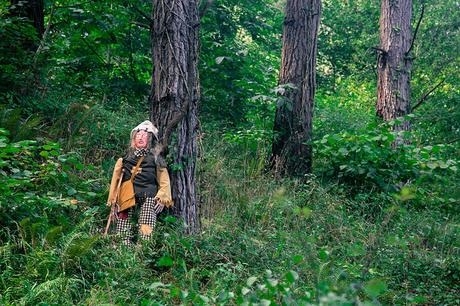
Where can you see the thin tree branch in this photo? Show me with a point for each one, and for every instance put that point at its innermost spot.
(452, 141)
(378, 49)
(117, 64)
(45, 35)
(416, 30)
(178, 116)
(426, 94)
(94, 51)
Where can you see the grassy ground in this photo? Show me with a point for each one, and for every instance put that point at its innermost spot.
(264, 239)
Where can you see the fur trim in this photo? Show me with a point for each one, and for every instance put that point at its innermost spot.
(147, 126)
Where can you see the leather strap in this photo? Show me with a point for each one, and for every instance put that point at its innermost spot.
(134, 173)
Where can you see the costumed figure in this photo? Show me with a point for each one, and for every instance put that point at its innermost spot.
(140, 185)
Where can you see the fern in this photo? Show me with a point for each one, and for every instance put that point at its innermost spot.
(57, 290)
(20, 128)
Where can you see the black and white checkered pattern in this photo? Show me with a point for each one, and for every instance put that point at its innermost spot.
(141, 152)
(147, 216)
(124, 228)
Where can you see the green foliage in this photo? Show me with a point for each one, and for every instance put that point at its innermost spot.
(270, 242)
(349, 107)
(374, 224)
(38, 182)
(238, 36)
(349, 31)
(21, 129)
(370, 158)
(18, 38)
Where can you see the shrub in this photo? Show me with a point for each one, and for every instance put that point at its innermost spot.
(370, 159)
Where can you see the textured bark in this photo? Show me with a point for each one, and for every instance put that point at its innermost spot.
(394, 62)
(175, 90)
(293, 119)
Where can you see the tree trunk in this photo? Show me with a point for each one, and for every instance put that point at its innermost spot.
(291, 150)
(394, 63)
(32, 10)
(175, 90)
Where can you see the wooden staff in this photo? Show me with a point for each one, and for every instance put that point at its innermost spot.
(114, 205)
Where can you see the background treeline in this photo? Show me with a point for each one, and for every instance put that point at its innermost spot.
(372, 222)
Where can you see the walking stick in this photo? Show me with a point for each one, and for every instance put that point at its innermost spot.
(114, 205)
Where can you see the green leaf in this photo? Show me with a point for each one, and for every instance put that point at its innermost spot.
(170, 219)
(406, 194)
(306, 212)
(331, 140)
(204, 298)
(375, 288)
(357, 249)
(71, 191)
(165, 261)
(292, 276)
(183, 294)
(323, 254)
(297, 259)
(343, 151)
(265, 302)
(157, 285)
(251, 281)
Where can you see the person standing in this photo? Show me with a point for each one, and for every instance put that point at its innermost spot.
(150, 179)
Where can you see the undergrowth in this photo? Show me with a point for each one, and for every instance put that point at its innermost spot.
(263, 240)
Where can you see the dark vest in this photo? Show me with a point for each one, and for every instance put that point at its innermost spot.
(145, 182)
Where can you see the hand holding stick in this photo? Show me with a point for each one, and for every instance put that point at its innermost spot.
(114, 205)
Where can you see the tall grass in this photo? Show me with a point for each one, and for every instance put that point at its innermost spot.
(264, 240)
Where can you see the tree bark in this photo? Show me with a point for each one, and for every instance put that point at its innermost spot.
(394, 62)
(291, 150)
(175, 91)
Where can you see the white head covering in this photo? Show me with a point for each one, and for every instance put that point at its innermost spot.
(146, 126)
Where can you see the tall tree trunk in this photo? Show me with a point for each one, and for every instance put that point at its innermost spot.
(291, 151)
(32, 10)
(31, 13)
(175, 90)
(394, 62)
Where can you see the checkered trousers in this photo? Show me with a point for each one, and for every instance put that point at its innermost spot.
(145, 223)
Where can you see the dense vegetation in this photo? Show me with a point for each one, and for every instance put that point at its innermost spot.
(371, 224)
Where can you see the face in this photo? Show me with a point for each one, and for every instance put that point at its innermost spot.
(140, 139)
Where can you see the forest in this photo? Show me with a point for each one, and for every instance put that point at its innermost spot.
(312, 148)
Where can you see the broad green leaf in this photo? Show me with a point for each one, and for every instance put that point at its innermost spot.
(251, 280)
(165, 261)
(375, 288)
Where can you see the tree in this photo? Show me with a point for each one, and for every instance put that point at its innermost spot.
(33, 11)
(175, 94)
(291, 151)
(394, 61)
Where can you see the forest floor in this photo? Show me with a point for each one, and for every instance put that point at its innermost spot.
(263, 240)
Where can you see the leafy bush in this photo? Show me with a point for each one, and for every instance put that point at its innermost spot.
(349, 107)
(369, 158)
(40, 185)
